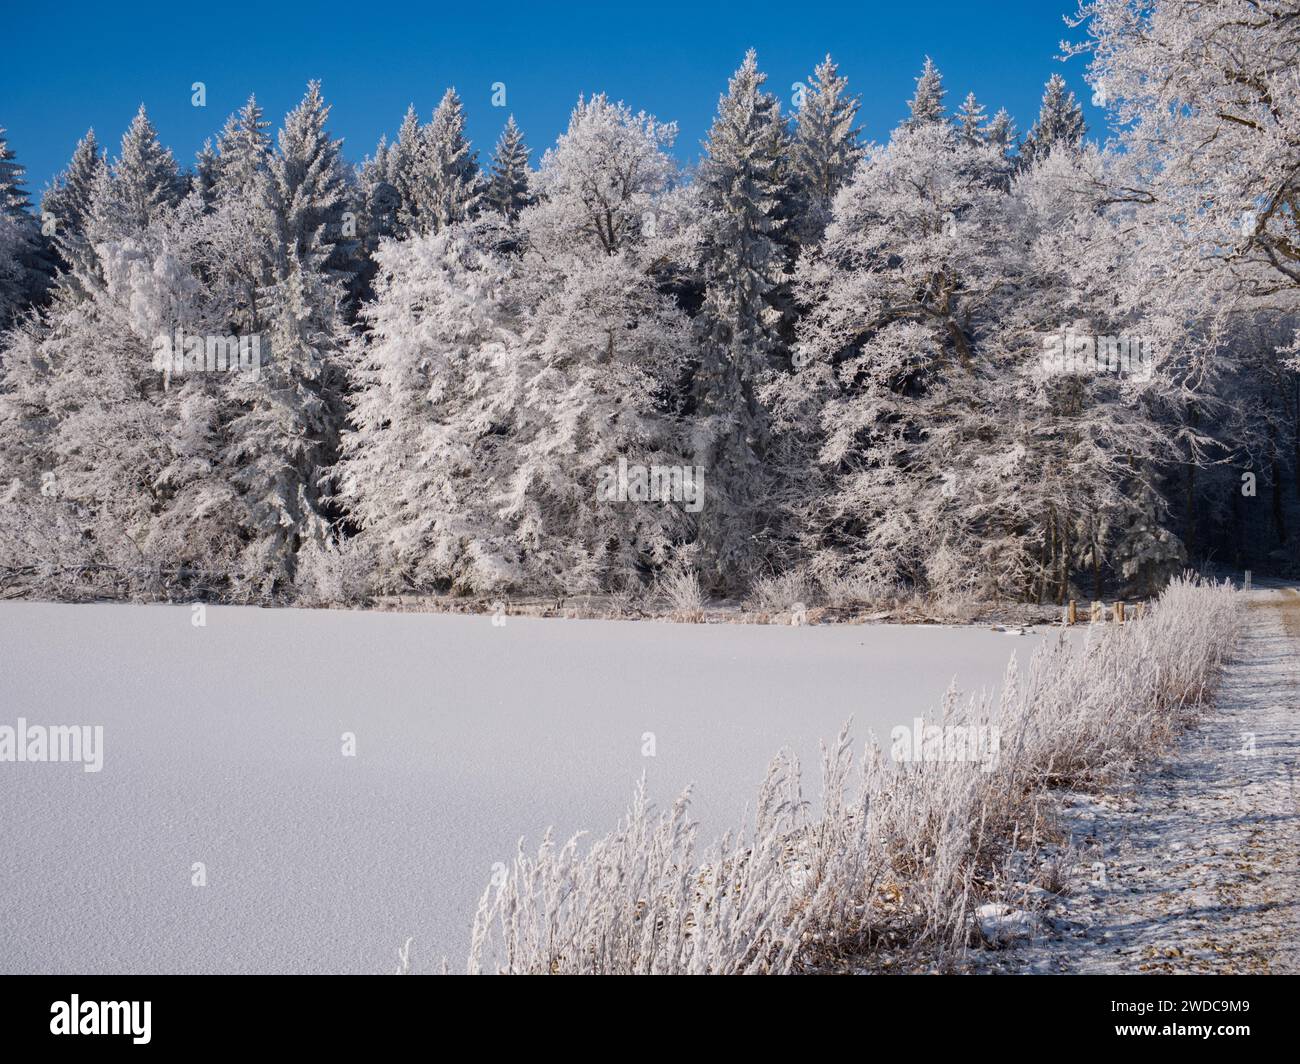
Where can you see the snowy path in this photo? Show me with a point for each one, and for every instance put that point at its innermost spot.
(1197, 870)
(223, 746)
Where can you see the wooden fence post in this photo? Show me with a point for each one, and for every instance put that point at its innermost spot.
(1119, 612)
(1138, 610)
(1098, 613)
(1072, 613)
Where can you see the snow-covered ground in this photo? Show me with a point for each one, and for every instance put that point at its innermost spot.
(224, 745)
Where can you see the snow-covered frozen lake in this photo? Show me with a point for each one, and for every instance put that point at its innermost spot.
(223, 745)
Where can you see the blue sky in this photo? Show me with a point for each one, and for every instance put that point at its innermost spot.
(81, 64)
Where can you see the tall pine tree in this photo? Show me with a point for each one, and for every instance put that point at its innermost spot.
(826, 147)
(508, 184)
(742, 189)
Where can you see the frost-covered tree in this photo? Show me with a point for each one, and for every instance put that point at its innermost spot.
(24, 260)
(244, 150)
(926, 104)
(1001, 131)
(972, 120)
(891, 346)
(455, 185)
(508, 190)
(113, 462)
(603, 349)
(206, 163)
(602, 181)
(742, 182)
(287, 433)
(406, 171)
(307, 194)
(435, 170)
(13, 193)
(1205, 104)
(142, 184)
(1091, 442)
(1204, 95)
(15, 249)
(1060, 123)
(428, 444)
(378, 202)
(826, 147)
(67, 200)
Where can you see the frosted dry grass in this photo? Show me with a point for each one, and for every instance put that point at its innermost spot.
(901, 853)
(780, 593)
(639, 901)
(681, 587)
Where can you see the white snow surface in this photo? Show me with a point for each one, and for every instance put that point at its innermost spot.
(223, 745)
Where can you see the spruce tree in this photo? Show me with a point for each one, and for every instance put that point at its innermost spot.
(454, 186)
(287, 432)
(13, 195)
(405, 171)
(1001, 131)
(307, 193)
(245, 150)
(1060, 123)
(508, 184)
(26, 259)
(206, 166)
(143, 183)
(926, 105)
(971, 120)
(826, 147)
(741, 183)
(68, 198)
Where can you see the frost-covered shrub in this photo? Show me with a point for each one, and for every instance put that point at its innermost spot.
(681, 587)
(334, 573)
(781, 592)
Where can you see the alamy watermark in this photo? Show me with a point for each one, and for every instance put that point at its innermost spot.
(55, 742)
(955, 743)
(181, 353)
(638, 483)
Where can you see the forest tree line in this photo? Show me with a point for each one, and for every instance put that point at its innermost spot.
(845, 340)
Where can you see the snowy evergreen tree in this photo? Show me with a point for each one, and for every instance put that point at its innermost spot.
(25, 261)
(1060, 123)
(307, 193)
(142, 184)
(455, 185)
(1001, 131)
(926, 105)
(206, 165)
(13, 195)
(405, 170)
(892, 346)
(742, 182)
(826, 147)
(377, 206)
(434, 169)
(972, 120)
(288, 432)
(244, 149)
(508, 190)
(15, 249)
(68, 198)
